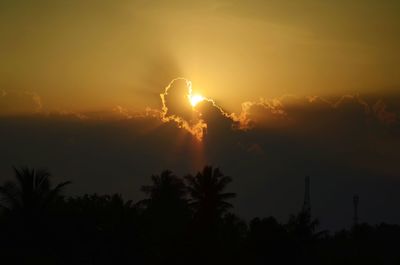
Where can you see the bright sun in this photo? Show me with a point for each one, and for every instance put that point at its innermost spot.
(195, 99)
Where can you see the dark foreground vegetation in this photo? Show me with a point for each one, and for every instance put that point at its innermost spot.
(181, 221)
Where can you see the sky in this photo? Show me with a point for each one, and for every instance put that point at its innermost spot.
(99, 93)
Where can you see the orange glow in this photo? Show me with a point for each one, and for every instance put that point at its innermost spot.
(195, 99)
(196, 126)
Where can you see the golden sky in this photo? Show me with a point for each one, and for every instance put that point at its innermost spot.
(289, 88)
(95, 55)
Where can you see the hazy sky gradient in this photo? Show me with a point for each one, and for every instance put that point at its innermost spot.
(93, 55)
(300, 88)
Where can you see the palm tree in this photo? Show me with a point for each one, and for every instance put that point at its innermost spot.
(31, 193)
(209, 203)
(206, 189)
(166, 188)
(166, 216)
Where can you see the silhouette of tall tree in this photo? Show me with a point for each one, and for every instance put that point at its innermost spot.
(28, 203)
(165, 189)
(31, 192)
(209, 202)
(207, 196)
(166, 215)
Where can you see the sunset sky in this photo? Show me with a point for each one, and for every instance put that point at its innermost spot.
(288, 89)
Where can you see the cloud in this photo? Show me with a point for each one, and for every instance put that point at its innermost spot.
(345, 144)
(122, 111)
(308, 116)
(196, 119)
(259, 111)
(383, 115)
(175, 99)
(290, 109)
(68, 114)
(176, 107)
(19, 102)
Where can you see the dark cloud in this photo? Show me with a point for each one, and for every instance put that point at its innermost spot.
(176, 99)
(385, 116)
(288, 110)
(176, 107)
(348, 145)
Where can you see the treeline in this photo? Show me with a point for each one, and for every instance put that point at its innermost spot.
(181, 221)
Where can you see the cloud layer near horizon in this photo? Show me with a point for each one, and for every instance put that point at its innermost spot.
(348, 145)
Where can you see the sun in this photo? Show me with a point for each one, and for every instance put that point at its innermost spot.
(195, 99)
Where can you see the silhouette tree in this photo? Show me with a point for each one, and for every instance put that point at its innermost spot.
(207, 196)
(165, 189)
(31, 193)
(104, 226)
(27, 204)
(268, 241)
(302, 230)
(303, 227)
(181, 221)
(166, 216)
(208, 202)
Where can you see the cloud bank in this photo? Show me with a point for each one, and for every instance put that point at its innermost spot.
(19, 102)
(347, 145)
